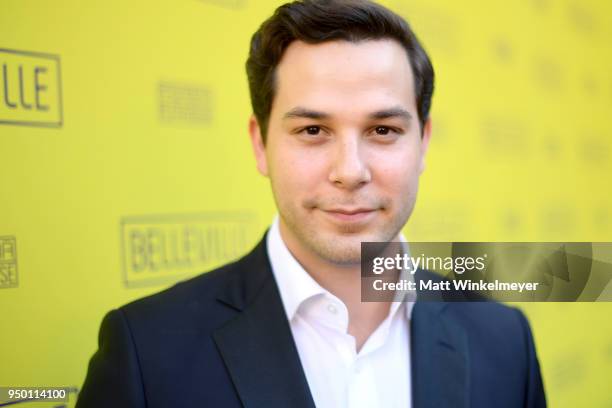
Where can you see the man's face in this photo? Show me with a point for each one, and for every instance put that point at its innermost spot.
(344, 149)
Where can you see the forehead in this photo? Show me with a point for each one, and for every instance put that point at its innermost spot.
(330, 74)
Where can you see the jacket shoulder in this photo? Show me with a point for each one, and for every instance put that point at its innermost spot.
(187, 305)
(487, 317)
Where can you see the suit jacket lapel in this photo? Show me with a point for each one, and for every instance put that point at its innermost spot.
(259, 351)
(257, 346)
(439, 354)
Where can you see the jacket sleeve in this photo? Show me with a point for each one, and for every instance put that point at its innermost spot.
(534, 395)
(114, 378)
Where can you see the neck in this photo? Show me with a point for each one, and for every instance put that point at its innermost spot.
(344, 282)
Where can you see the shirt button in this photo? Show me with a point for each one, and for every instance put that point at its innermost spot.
(332, 309)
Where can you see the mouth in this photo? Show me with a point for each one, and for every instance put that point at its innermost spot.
(351, 214)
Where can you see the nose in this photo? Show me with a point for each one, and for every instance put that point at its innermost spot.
(349, 168)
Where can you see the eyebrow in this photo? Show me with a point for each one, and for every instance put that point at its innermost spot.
(300, 112)
(391, 113)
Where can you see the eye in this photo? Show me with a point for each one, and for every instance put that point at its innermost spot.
(312, 134)
(386, 132)
(313, 130)
(382, 130)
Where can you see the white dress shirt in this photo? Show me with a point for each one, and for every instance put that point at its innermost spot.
(339, 376)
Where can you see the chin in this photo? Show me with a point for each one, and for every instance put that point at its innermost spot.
(341, 254)
(342, 250)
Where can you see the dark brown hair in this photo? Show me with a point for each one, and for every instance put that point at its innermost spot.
(317, 21)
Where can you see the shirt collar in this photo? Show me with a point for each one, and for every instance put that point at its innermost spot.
(296, 285)
(406, 297)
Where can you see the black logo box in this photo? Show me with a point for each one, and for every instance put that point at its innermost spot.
(9, 277)
(48, 56)
(247, 218)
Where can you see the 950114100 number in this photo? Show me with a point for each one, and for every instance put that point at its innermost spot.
(50, 394)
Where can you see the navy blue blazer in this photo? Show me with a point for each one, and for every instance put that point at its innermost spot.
(222, 339)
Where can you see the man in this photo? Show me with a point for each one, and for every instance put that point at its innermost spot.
(341, 92)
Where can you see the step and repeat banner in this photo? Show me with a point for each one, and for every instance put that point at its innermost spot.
(125, 161)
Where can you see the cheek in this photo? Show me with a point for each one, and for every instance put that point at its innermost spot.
(295, 172)
(398, 171)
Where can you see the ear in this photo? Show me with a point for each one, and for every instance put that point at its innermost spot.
(259, 149)
(425, 143)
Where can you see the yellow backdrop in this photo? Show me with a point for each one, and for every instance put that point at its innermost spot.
(125, 164)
